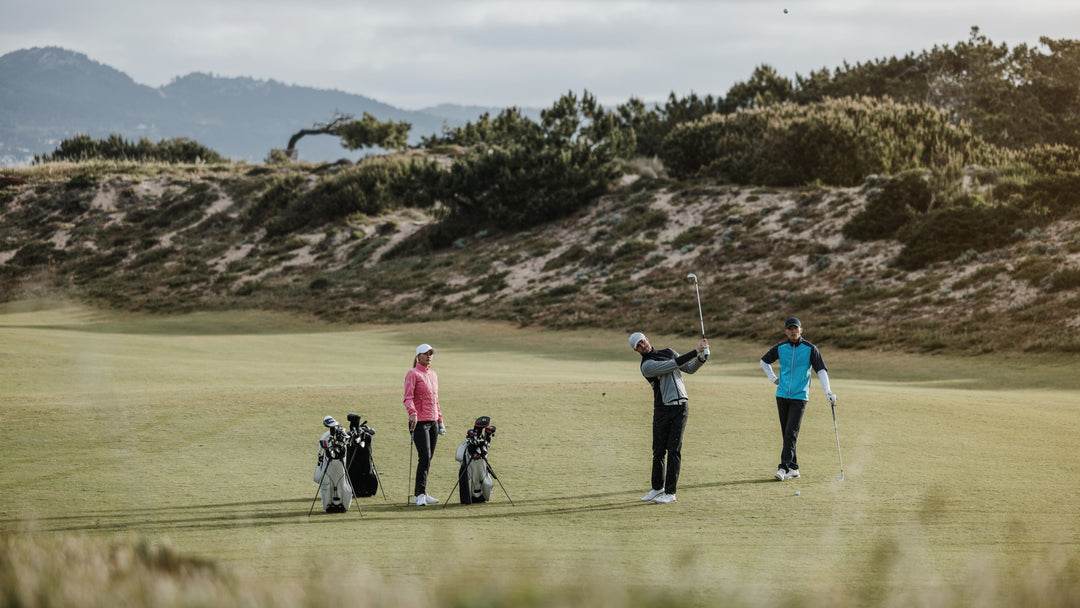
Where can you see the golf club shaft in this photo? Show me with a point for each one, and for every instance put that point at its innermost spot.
(409, 477)
(700, 316)
(838, 454)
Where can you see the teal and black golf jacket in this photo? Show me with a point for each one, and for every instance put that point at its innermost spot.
(797, 360)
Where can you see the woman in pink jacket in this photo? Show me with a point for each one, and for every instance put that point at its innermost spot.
(425, 418)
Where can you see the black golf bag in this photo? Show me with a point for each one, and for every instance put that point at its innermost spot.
(474, 476)
(362, 474)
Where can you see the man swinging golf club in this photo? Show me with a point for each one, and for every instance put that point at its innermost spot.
(662, 369)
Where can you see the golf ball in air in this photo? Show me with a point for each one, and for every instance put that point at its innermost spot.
(785, 11)
(796, 492)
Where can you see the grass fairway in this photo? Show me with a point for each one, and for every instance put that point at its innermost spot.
(200, 432)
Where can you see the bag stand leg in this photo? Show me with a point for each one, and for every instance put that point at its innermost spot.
(379, 481)
(345, 478)
(464, 470)
(317, 490)
(496, 478)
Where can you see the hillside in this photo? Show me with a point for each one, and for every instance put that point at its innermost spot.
(179, 239)
(51, 94)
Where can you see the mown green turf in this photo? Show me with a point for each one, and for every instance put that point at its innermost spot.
(201, 432)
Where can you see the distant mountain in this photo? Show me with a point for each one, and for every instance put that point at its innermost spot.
(50, 94)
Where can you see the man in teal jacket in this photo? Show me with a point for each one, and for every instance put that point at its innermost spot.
(797, 358)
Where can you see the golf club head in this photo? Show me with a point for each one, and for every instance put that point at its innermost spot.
(692, 276)
(329, 422)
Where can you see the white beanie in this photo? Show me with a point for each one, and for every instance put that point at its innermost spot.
(636, 337)
(424, 348)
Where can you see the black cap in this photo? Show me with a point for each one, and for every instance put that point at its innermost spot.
(792, 321)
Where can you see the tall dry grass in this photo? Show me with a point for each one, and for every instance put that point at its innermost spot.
(40, 570)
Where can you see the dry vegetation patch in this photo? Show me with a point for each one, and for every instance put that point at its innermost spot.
(167, 241)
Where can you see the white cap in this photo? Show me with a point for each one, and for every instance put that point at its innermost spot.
(636, 337)
(425, 348)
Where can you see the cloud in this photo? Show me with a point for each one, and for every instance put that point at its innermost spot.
(502, 52)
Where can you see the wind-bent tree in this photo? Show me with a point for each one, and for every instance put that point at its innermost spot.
(356, 134)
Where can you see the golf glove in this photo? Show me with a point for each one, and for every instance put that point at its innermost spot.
(442, 428)
(705, 353)
(831, 397)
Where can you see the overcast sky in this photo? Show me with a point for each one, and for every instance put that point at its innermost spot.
(414, 54)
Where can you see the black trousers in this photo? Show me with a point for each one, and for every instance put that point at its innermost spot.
(669, 422)
(791, 414)
(425, 436)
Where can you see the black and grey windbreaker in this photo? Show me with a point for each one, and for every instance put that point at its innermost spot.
(662, 369)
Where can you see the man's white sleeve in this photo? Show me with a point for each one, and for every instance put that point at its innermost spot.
(823, 375)
(768, 371)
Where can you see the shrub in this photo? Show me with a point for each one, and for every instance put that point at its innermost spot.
(279, 192)
(517, 174)
(115, 147)
(695, 235)
(639, 219)
(83, 179)
(573, 254)
(372, 187)
(36, 254)
(1054, 195)
(946, 233)
(175, 210)
(633, 250)
(1051, 159)
(837, 141)
(891, 207)
(1064, 279)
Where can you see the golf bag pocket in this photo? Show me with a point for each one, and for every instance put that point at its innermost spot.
(334, 488)
(475, 482)
(362, 474)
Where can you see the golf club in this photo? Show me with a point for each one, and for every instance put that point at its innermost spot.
(408, 478)
(700, 316)
(838, 454)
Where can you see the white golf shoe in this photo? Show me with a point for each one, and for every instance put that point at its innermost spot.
(792, 474)
(781, 474)
(652, 494)
(664, 499)
(424, 499)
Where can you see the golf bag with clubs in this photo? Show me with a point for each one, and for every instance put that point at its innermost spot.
(363, 476)
(334, 486)
(474, 476)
